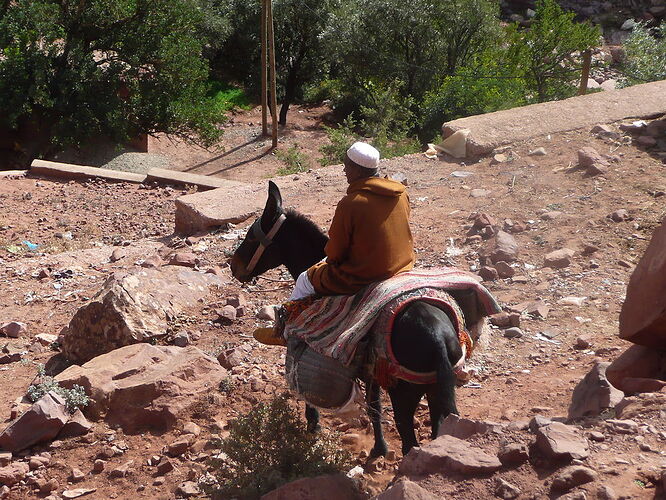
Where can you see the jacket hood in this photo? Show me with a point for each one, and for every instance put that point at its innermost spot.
(377, 185)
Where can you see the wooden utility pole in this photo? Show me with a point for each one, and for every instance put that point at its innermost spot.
(587, 61)
(264, 70)
(268, 70)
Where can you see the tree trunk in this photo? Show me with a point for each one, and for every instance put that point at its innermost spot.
(289, 94)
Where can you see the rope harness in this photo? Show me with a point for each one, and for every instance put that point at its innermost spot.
(265, 240)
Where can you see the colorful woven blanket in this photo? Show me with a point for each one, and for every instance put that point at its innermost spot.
(334, 325)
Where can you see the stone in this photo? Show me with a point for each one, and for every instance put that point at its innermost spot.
(164, 466)
(38, 462)
(593, 394)
(14, 329)
(227, 314)
(559, 259)
(464, 428)
(561, 442)
(479, 193)
(152, 262)
(602, 130)
(326, 487)
(201, 212)
(142, 386)
(552, 215)
(117, 255)
(132, 307)
(513, 333)
(406, 490)
(622, 426)
(503, 247)
(188, 489)
(46, 339)
(590, 159)
(538, 421)
(504, 270)
(14, 473)
(638, 369)
(605, 492)
(42, 422)
(179, 447)
(122, 470)
(184, 259)
(181, 339)
(573, 476)
(191, 428)
(5, 458)
(231, 358)
(266, 313)
(647, 141)
(77, 425)
(537, 309)
(76, 475)
(482, 220)
(506, 490)
(448, 454)
(78, 492)
(99, 465)
(583, 342)
(620, 215)
(643, 314)
(488, 273)
(513, 454)
(500, 320)
(67, 171)
(538, 152)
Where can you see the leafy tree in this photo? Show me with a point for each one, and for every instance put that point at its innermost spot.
(300, 54)
(545, 54)
(70, 71)
(645, 55)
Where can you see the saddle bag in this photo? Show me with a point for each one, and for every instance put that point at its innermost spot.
(320, 380)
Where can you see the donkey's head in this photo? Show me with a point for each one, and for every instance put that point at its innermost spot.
(258, 253)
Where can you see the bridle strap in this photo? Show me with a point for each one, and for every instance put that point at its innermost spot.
(265, 240)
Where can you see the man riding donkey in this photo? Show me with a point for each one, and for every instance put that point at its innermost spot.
(363, 313)
(369, 238)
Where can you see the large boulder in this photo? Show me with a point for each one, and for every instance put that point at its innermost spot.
(450, 456)
(133, 307)
(42, 422)
(643, 314)
(594, 393)
(638, 369)
(142, 386)
(316, 488)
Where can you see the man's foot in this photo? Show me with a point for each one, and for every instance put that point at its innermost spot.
(269, 336)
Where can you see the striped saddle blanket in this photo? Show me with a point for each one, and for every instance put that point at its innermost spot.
(334, 326)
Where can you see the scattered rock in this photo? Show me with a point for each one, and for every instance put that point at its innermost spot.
(77, 425)
(638, 369)
(14, 329)
(152, 262)
(99, 466)
(537, 309)
(317, 488)
(620, 215)
(231, 358)
(538, 152)
(42, 422)
(5, 458)
(572, 301)
(583, 342)
(78, 492)
(573, 476)
(506, 490)
(513, 333)
(605, 492)
(447, 453)
(132, 307)
(266, 313)
(552, 215)
(504, 270)
(227, 314)
(643, 314)
(479, 193)
(121, 470)
(594, 394)
(623, 426)
(184, 259)
(592, 161)
(488, 273)
(513, 454)
(14, 473)
(464, 428)
(406, 490)
(181, 339)
(76, 475)
(179, 447)
(503, 247)
(164, 466)
(560, 441)
(117, 255)
(559, 259)
(46, 339)
(143, 386)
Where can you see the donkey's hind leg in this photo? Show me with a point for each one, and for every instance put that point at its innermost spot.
(442, 395)
(405, 398)
(373, 400)
(312, 418)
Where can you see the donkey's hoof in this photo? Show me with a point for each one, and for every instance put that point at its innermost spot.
(313, 428)
(379, 450)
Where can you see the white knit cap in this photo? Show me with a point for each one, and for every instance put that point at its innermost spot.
(364, 154)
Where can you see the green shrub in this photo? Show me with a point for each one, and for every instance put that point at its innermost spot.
(268, 447)
(293, 159)
(226, 97)
(341, 138)
(75, 397)
(645, 55)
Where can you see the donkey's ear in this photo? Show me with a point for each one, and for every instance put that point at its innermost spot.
(274, 202)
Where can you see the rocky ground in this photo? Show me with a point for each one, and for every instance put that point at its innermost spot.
(565, 307)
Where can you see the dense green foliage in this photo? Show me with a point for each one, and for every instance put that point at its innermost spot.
(118, 68)
(268, 447)
(645, 54)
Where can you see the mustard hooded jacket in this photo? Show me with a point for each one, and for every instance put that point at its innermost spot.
(369, 238)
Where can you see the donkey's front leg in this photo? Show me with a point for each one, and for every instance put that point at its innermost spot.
(312, 417)
(372, 397)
